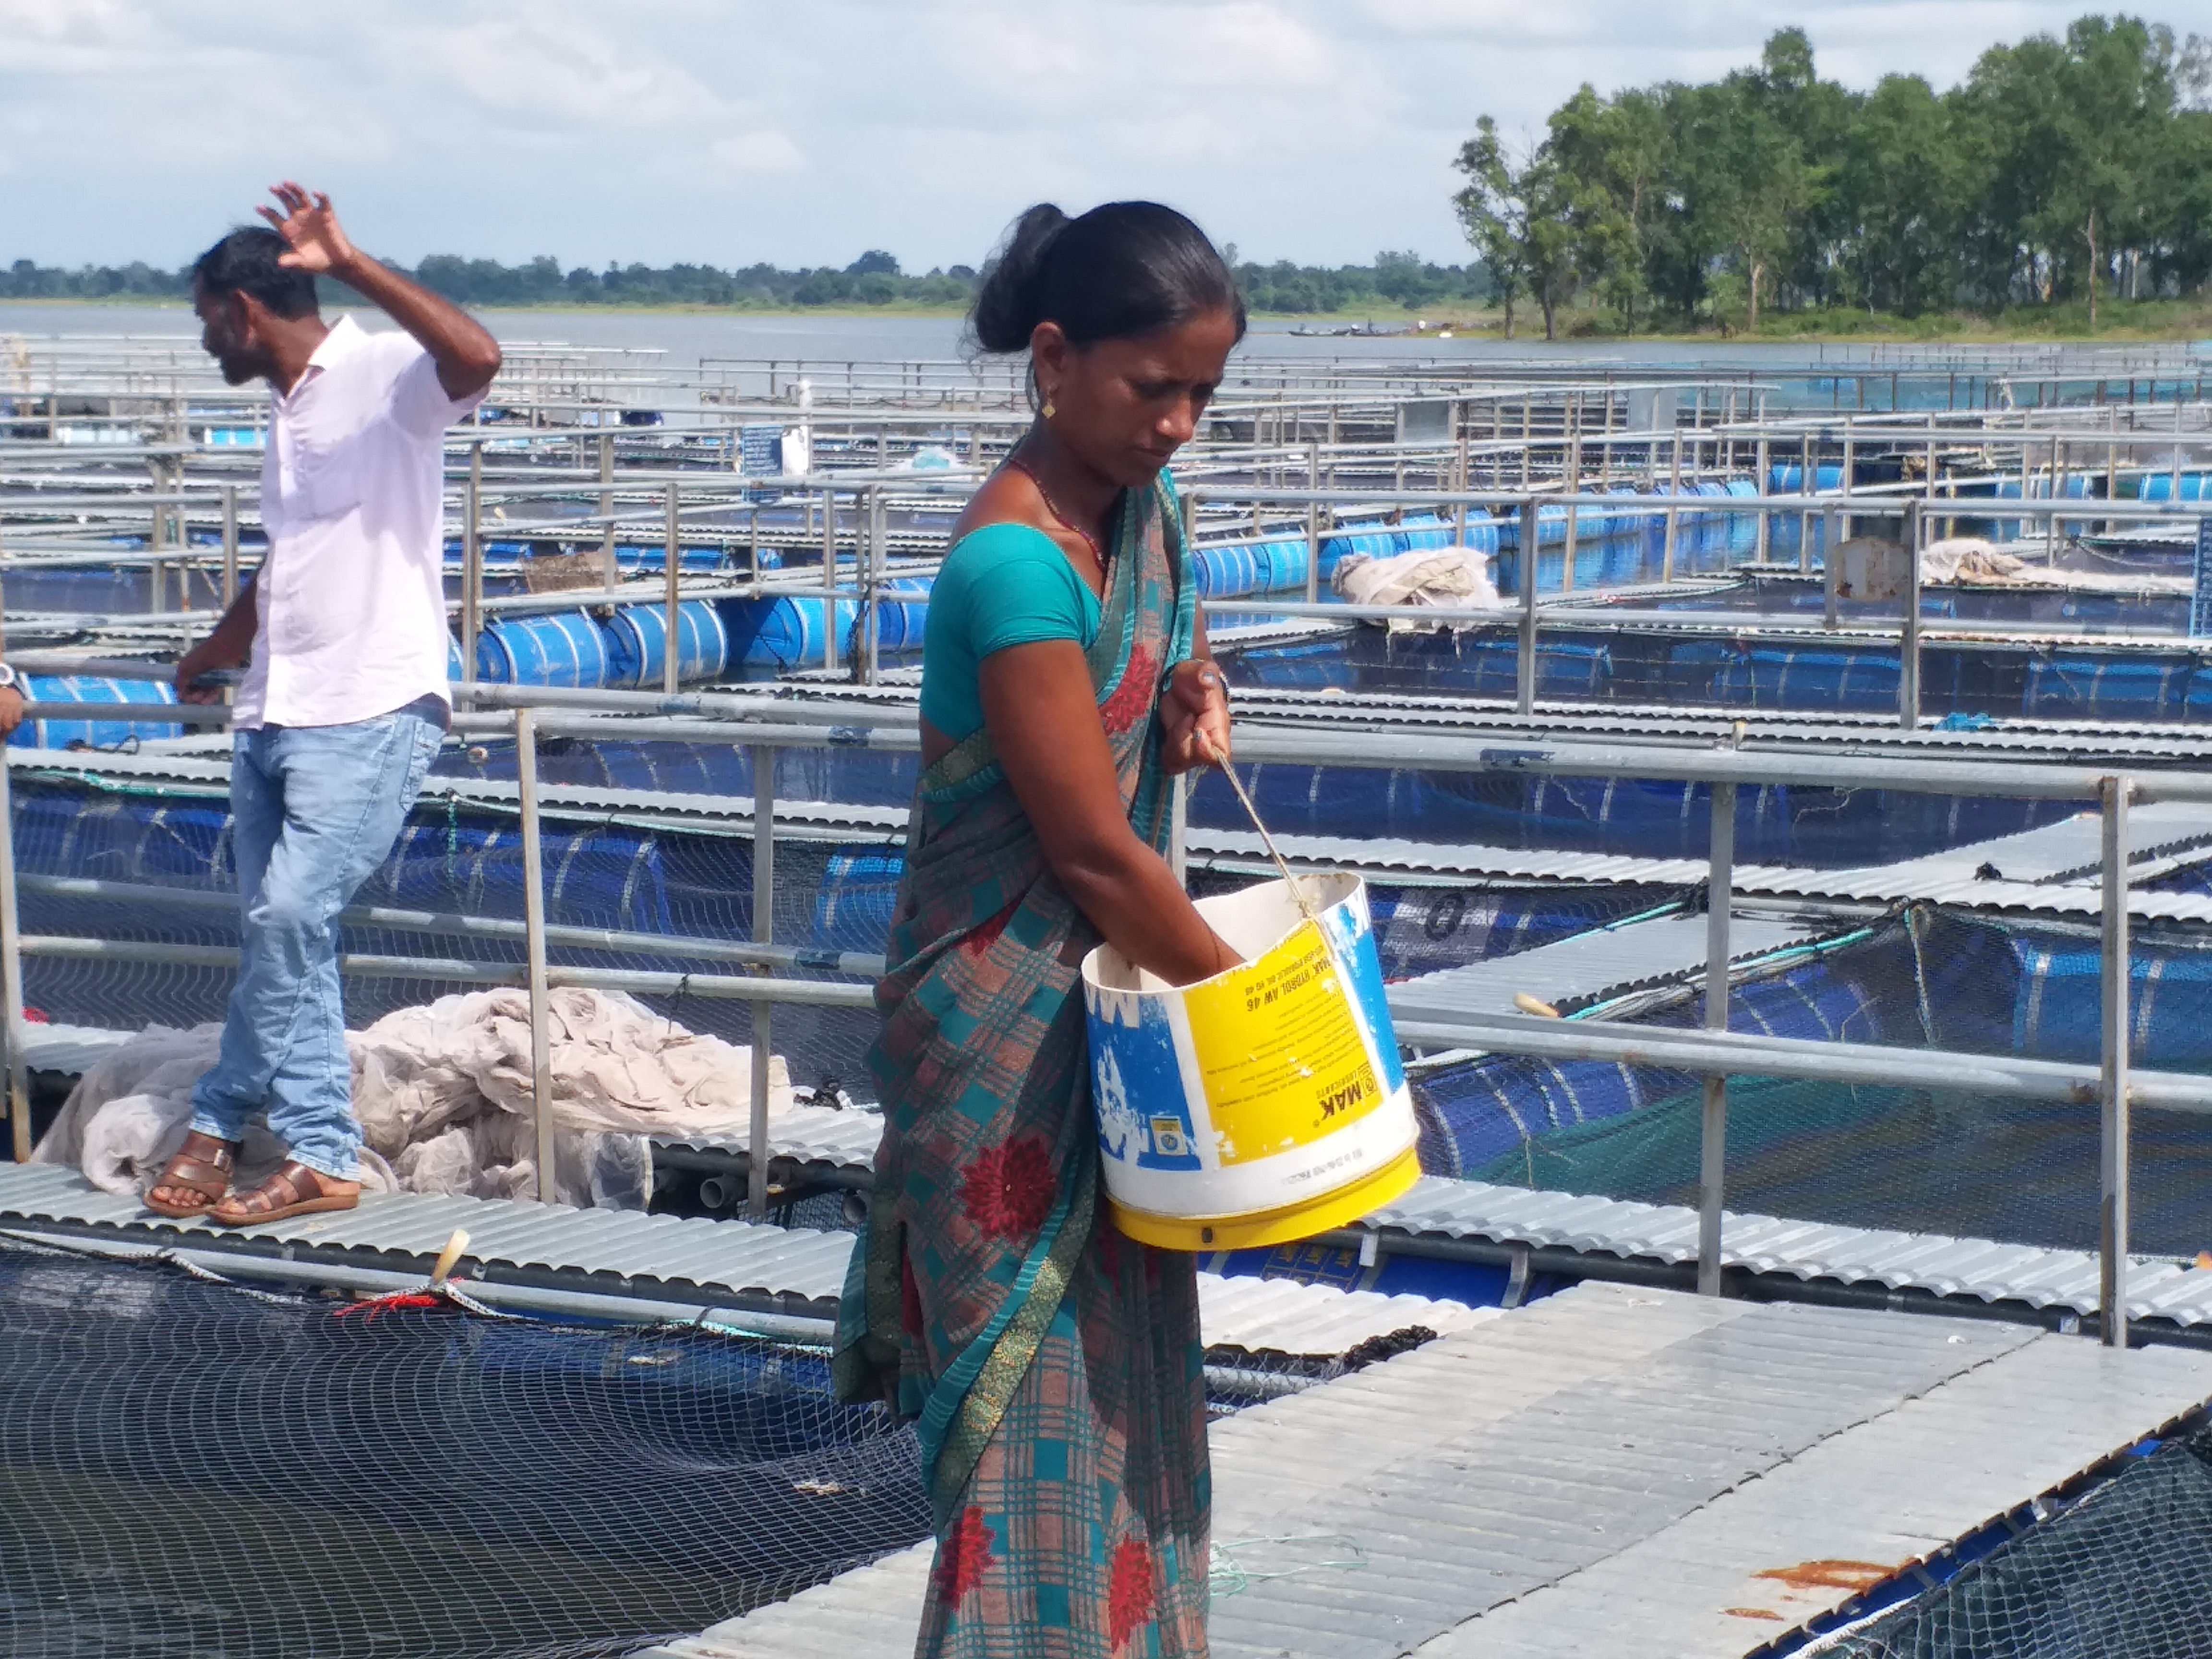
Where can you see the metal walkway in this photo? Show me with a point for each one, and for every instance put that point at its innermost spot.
(1608, 1472)
(625, 1265)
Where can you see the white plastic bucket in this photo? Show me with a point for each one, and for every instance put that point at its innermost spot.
(1265, 1105)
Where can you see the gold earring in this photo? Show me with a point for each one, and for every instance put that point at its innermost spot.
(1049, 411)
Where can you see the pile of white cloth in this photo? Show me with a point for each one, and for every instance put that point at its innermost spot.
(1442, 578)
(445, 1098)
(1971, 560)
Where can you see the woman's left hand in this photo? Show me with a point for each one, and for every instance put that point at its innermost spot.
(1193, 717)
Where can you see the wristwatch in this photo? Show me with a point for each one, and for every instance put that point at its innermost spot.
(8, 680)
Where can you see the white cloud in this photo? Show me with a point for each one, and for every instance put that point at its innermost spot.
(540, 70)
(759, 152)
(730, 131)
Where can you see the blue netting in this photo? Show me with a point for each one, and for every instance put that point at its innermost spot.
(1943, 1161)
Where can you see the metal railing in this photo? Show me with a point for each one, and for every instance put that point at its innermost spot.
(766, 724)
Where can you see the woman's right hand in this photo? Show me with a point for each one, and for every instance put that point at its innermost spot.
(1194, 718)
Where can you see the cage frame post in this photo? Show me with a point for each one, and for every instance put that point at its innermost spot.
(763, 760)
(829, 575)
(1179, 828)
(610, 557)
(2115, 1136)
(11, 978)
(1524, 661)
(1831, 571)
(1908, 653)
(229, 545)
(1712, 1151)
(533, 916)
(1312, 543)
(472, 563)
(673, 558)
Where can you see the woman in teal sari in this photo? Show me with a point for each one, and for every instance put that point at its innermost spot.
(1054, 1366)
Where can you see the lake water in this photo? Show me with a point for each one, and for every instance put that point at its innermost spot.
(689, 337)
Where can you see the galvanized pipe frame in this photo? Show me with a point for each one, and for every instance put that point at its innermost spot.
(563, 936)
(1717, 1053)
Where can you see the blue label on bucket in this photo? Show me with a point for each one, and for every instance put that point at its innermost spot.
(1143, 1117)
(1355, 948)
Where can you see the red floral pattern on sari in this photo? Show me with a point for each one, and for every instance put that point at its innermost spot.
(984, 936)
(1007, 1190)
(1132, 700)
(1129, 1592)
(965, 1556)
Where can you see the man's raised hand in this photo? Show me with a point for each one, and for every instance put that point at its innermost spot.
(310, 224)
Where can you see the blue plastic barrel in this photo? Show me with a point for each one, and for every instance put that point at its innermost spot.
(782, 632)
(2159, 487)
(567, 648)
(900, 621)
(92, 734)
(1226, 572)
(1788, 478)
(2096, 685)
(637, 644)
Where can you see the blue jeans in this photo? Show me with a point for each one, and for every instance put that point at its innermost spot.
(314, 810)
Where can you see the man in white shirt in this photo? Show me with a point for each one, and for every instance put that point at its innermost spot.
(345, 701)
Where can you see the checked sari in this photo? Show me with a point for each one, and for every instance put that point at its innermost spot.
(1054, 1366)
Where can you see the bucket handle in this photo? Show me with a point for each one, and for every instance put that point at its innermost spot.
(1297, 892)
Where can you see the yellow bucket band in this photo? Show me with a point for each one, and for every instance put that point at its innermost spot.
(1287, 1225)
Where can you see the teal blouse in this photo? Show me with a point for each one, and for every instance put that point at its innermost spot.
(1002, 585)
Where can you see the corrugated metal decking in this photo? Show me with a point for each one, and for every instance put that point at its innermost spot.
(1580, 967)
(1536, 1485)
(624, 1252)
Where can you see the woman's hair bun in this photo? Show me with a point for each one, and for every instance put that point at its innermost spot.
(1122, 270)
(1009, 304)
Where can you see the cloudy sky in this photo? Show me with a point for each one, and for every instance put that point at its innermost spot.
(803, 132)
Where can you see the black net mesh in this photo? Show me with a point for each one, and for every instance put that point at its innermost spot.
(191, 1469)
(2126, 1573)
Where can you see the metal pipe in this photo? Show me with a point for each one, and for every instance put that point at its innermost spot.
(229, 545)
(2114, 1138)
(541, 998)
(671, 668)
(1312, 547)
(862, 964)
(739, 988)
(1832, 574)
(1179, 828)
(1908, 652)
(11, 981)
(610, 559)
(1524, 663)
(1741, 1054)
(472, 564)
(1713, 1145)
(830, 577)
(763, 769)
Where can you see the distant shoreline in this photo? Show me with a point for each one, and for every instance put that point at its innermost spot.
(2180, 322)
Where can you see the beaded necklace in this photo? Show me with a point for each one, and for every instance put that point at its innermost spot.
(1052, 507)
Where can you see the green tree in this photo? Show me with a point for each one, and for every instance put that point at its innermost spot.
(1494, 210)
(1517, 214)
(1747, 181)
(1608, 161)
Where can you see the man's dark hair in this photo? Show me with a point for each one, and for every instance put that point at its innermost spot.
(245, 262)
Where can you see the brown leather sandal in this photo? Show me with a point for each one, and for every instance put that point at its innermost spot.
(202, 1165)
(294, 1189)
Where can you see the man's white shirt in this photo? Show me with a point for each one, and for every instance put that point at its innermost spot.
(351, 599)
